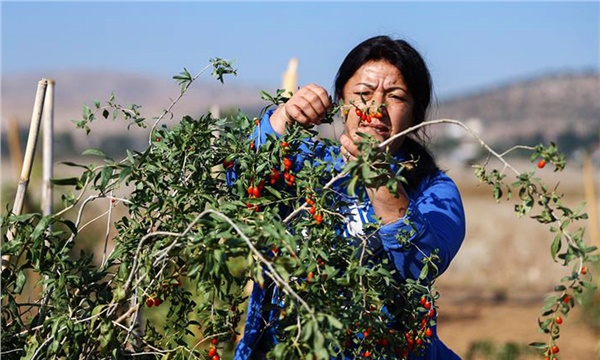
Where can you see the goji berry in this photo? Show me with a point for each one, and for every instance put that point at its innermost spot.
(541, 164)
(318, 218)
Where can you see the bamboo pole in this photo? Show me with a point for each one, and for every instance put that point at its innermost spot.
(289, 82)
(34, 129)
(591, 200)
(48, 153)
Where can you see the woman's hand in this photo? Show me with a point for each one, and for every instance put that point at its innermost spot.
(348, 148)
(387, 206)
(307, 107)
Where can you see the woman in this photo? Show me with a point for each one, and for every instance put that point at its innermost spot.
(392, 79)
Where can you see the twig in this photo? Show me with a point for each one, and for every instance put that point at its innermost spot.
(168, 110)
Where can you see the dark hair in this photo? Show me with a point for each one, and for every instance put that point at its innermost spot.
(418, 80)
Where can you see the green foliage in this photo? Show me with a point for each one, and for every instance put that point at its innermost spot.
(208, 211)
(545, 205)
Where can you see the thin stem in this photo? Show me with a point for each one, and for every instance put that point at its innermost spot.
(168, 110)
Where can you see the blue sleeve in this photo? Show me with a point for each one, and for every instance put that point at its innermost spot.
(434, 219)
(264, 129)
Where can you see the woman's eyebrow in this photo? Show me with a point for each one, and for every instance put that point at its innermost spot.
(370, 86)
(392, 88)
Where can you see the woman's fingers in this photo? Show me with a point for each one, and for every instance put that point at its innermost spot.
(348, 147)
(308, 105)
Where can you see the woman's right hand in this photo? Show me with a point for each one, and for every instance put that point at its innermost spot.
(307, 107)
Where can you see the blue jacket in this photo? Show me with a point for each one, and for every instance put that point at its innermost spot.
(435, 212)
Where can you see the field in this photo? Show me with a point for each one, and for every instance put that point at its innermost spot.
(495, 287)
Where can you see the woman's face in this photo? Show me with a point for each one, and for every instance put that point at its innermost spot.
(379, 83)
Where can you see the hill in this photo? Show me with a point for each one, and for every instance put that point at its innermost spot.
(547, 106)
(543, 107)
(75, 88)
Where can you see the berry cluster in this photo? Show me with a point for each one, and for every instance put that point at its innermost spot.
(318, 217)
(213, 354)
(165, 289)
(367, 115)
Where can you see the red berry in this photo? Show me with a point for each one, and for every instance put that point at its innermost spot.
(428, 332)
(284, 144)
(584, 270)
(558, 320)
(566, 299)
(212, 352)
(214, 341)
(427, 305)
(383, 342)
(367, 353)
(318, 218)
(541, 163)
(215, 357)
(256, 192)
(157, 302)
(252, 145)
(287, 162)
(310, 277)
(149, 302)
(312, 210)
(158, 139)
(423, 300)
(419, 341)
(256, 121)
(358, 112)
(555, 349)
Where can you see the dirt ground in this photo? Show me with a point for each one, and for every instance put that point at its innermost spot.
(465, 320)
(495, 287)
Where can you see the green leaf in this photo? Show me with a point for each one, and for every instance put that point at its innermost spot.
(539, 345)
(20, 283)
(72, 181)
(94, 152)
(555, 247)
(352, 186)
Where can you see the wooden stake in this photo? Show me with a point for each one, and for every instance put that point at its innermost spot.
(590, 199)
(48, 153)
(34, 130)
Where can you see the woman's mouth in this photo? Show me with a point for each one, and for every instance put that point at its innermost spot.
(374, 129)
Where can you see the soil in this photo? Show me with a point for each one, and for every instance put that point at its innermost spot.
(494, 289)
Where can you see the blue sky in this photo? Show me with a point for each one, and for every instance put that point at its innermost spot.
(468, 45)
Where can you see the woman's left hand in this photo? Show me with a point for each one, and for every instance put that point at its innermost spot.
(348, 148)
